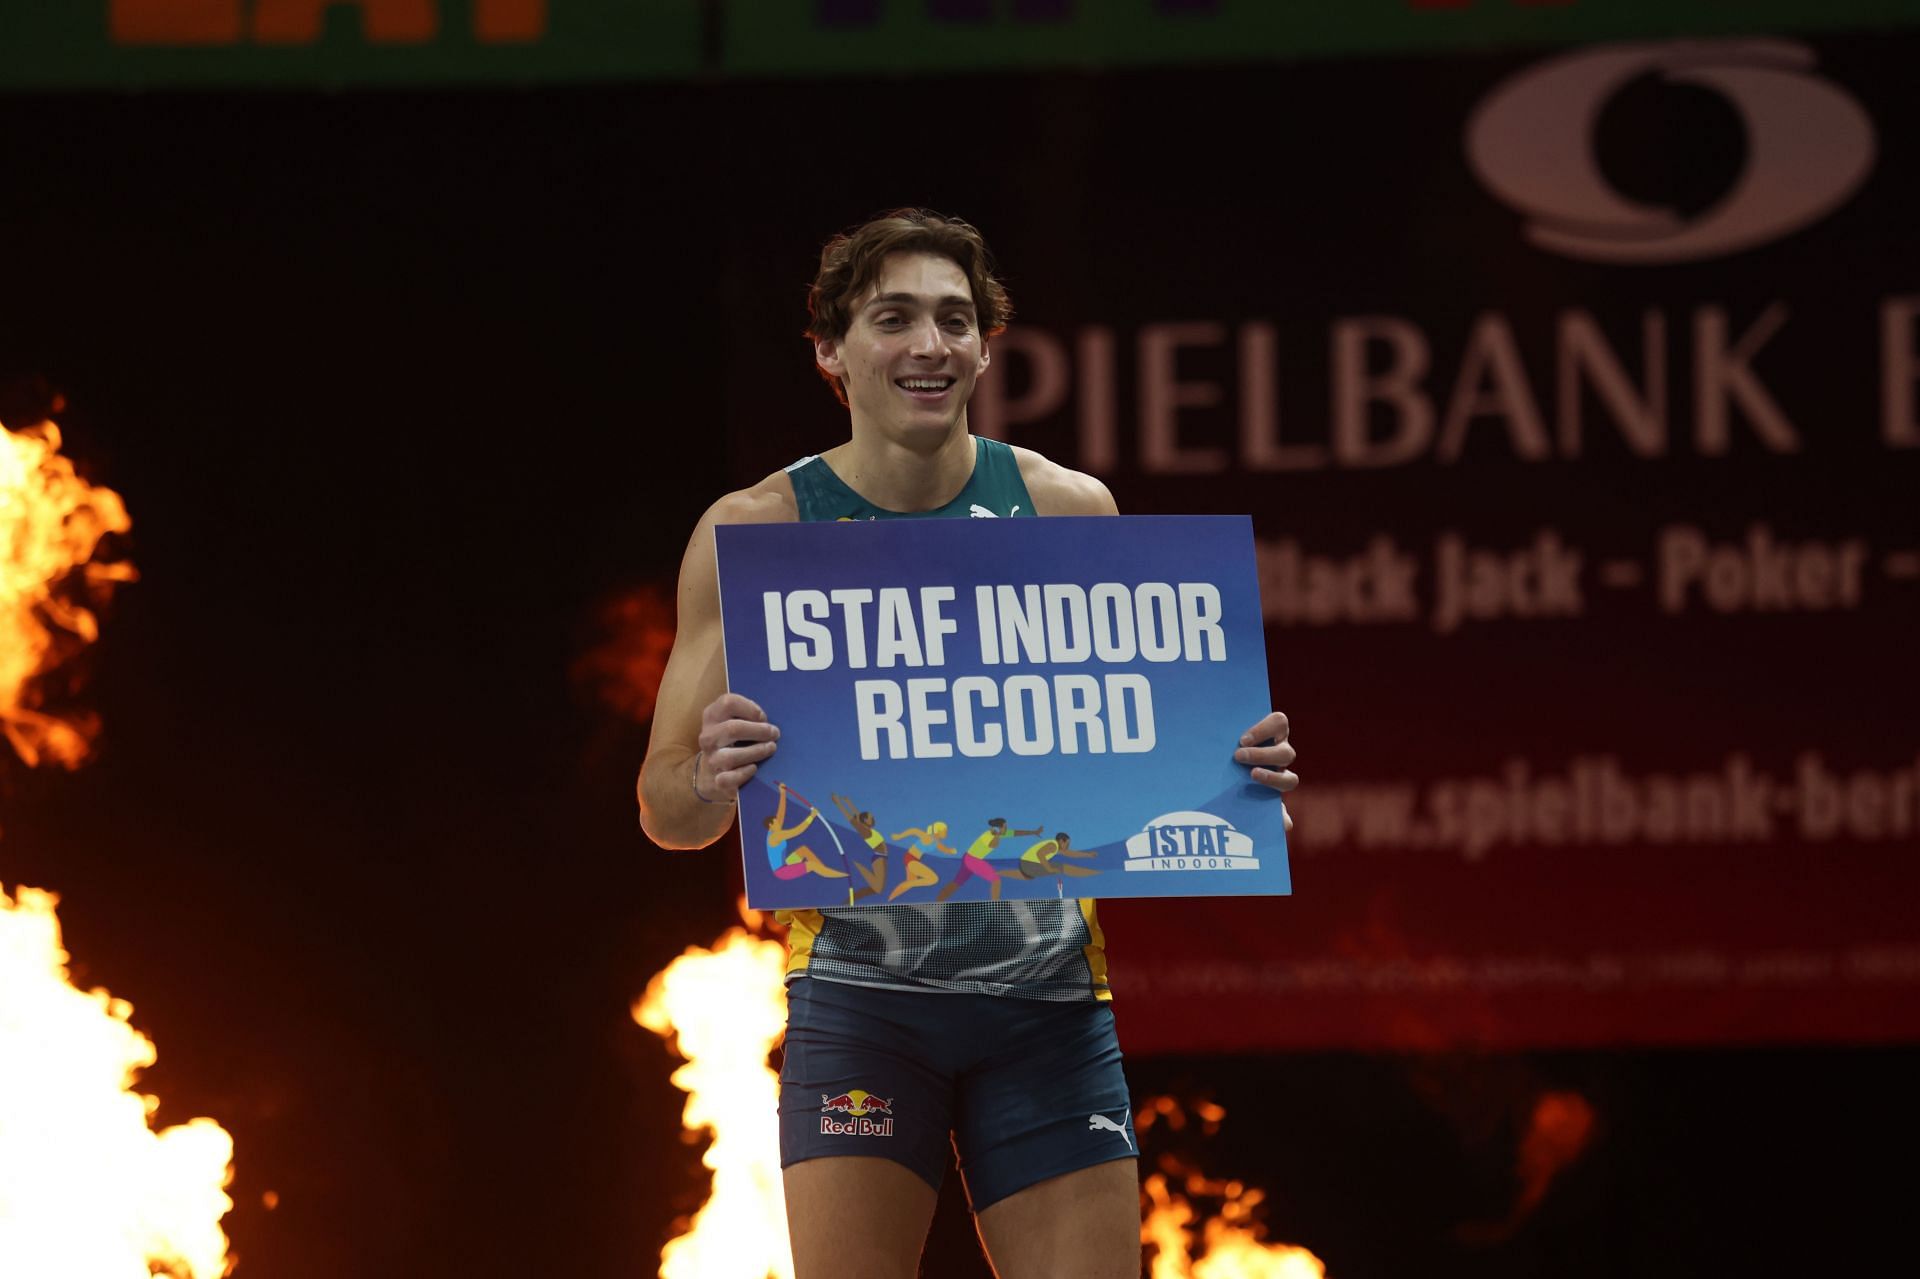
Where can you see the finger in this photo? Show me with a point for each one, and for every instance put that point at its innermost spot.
(732, 757)
(734, 706)
(733, 732)
(728, 783)
(1289, 817)
(1279, 779)
(1269, 728)
(1268, 756)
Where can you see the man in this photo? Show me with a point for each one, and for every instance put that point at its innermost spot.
(791, 864)
(945, 1013)
(1043, 859)
(974, 860)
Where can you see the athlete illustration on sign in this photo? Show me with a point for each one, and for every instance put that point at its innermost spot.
(974, 860)
(1038, 861)
(916, 873)
(875, 872)
(792, 865)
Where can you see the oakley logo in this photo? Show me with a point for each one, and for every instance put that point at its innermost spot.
(1809, 146)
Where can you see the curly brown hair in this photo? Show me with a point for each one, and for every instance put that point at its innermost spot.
(851, 261)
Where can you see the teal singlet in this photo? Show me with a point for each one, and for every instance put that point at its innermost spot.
(1047, 949)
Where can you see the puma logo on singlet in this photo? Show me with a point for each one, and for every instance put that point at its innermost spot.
(980, 512)
(1100, 1123)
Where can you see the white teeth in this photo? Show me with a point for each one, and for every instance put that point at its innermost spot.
(924, 384)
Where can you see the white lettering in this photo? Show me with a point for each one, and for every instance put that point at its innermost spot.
(876, 708)
(988, 742)
(936, 624)
(1111, 605)
(1159, 621)
(1069, 635)
(1078, 697)
(1029, 715)
(1200, 609)
(771, 607)
(851, 601)
(924, 718)
(803, 608)
(897, 640)
(1132, 726)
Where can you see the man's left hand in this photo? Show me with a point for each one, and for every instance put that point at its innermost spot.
(1266, 748)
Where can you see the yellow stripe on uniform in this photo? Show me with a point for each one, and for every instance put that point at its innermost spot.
(802, 927)
(1095, 949)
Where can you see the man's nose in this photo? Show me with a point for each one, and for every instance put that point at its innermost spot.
(928, 340)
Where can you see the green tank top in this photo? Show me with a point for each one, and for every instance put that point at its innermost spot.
(994, 491)
(1045, 949)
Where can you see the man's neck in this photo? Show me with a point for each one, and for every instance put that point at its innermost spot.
(896, 478)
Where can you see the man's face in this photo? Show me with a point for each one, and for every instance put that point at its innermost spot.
(911, 355)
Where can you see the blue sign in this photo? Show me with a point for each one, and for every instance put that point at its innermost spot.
(976, 710)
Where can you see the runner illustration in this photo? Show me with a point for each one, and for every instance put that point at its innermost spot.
(792, 865)
(875, 873)
(974, 860)
(916, 873)
(1038, 860)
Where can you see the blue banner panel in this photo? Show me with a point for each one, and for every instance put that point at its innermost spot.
(976, 710)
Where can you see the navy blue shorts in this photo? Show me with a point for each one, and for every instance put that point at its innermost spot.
(1027, 1088)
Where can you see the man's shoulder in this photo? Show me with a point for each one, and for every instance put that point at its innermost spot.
(1061, 490)
(771, 501)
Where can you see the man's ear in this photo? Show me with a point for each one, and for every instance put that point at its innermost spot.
(826, 353)
(986, 355)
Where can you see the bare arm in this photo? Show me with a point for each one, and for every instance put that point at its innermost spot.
(1059, 490)
(707, 743)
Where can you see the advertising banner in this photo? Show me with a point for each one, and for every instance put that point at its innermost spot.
(1576, 400)
(1001, 709)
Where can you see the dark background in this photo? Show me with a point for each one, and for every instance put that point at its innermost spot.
(400, 390)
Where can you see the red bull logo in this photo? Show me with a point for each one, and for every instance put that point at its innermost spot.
(867, 1115)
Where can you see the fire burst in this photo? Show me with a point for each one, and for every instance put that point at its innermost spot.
(1232, 1243)
(725, 1008)
(88, 1190)
(51, 523)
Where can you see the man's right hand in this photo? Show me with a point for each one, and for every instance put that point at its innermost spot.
(734, 738)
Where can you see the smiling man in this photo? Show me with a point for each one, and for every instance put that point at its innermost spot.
(942, 1017)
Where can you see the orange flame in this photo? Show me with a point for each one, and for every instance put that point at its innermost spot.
(1558, 1131)
(724, 1010)
(1231, 1239)
(51, 523)
(1561, 1125)
(88, 1190)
